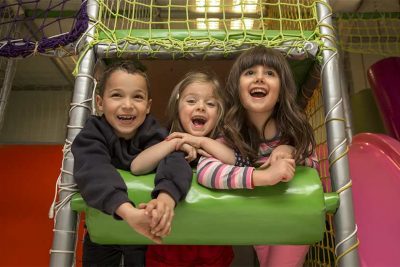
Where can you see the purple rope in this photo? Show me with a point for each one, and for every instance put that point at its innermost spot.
(25, 47)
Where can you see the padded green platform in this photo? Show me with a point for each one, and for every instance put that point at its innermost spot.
(287, 213)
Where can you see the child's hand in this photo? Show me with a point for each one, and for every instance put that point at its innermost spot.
(280, 152)
(185, 138)
(138, 220)
(203, 153)
(282, 170)
(161, 210)
(191, 152)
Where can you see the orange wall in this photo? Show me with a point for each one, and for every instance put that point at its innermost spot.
(28, 176)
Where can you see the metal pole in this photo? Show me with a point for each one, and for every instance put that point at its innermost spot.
(345, 228)
(64, 239)
(344, 86)
(6, 88)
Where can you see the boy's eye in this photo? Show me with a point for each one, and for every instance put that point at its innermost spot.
(139, 97)
(116, 95)
(270, 73)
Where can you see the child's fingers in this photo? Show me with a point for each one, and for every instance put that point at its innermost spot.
(292, 162)
(150, 206)
(193, 154)
(179, 144)
(166, 216)
(203, 153)
(174, 135)
(142, 206)
(154, 238)
(155, 218)
(265, 164)
(163, 228)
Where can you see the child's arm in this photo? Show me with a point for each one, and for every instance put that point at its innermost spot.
(282, 170)
(138, 220)
(212, 173)
(147, 160)
(99, 183)
(212, 147)
(280, 152)
(173, 176)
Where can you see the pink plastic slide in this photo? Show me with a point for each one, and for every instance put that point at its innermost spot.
(375, 173)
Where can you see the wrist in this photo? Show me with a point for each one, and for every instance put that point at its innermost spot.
(202, 141)
(166, 198)
(124, 210)
(260, 178)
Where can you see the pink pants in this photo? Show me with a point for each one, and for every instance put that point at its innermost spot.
(281, 256)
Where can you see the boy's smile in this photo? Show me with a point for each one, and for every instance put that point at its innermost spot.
(125, 102)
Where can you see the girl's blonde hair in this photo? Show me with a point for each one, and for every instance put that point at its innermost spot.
(199, 76)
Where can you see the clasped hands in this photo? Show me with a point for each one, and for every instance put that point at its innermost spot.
(190, 144)
(153, 219)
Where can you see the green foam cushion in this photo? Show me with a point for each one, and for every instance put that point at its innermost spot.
(287, 213)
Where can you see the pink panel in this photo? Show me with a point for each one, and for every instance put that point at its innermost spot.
(375, 173)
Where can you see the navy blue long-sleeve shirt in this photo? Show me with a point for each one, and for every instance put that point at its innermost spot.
(99, 152)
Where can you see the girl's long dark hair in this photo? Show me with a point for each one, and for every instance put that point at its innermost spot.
(290, 120)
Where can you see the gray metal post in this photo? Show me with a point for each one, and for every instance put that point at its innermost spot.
(344, 86)
(345, 228)
(64, 239)
(6, 88)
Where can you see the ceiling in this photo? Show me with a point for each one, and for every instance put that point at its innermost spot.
(49, 73)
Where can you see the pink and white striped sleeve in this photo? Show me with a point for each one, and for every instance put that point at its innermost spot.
(311, 161)
(212, 173)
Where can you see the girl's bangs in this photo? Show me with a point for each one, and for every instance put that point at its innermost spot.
(260, 57)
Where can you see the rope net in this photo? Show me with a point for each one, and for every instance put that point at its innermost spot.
(203, 27)
(322, 253)
(370, 33)
(41, 27)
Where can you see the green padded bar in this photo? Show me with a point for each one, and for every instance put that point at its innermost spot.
(287, 213)
(182, 34)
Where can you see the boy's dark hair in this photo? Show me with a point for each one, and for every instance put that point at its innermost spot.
(290, 120)
(124, 65)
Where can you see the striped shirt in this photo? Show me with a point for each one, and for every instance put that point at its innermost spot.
(213, 173)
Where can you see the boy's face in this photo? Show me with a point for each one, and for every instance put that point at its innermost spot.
(125, 102)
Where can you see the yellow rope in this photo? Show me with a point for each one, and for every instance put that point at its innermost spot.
(351, 248)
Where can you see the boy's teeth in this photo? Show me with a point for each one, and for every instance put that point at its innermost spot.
(125, 117)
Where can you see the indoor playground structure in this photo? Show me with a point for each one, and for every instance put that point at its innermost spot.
(346, 211)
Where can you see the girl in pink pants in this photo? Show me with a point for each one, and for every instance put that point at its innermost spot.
(266, 129)
(282, 256)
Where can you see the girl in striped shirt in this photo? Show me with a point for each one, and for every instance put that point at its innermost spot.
(268, 132)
